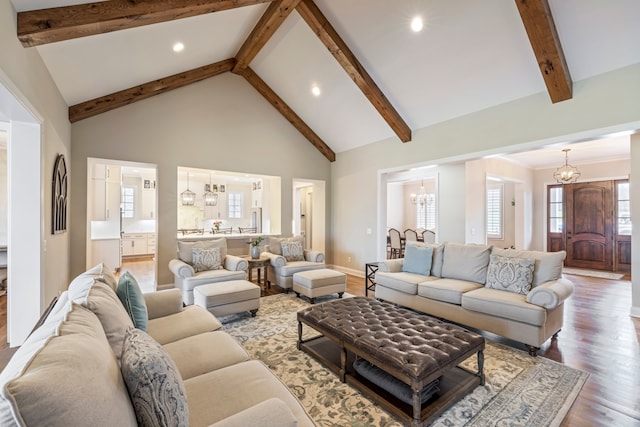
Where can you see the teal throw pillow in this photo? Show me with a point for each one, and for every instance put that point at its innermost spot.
(417, 259)
(131, 296)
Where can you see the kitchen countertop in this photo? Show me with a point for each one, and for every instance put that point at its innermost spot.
(232, 236)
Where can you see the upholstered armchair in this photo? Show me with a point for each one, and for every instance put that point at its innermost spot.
(203, 262)
(287, 257)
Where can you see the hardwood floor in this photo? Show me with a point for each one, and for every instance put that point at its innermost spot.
(598, 337)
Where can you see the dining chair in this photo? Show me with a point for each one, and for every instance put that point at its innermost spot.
(395, 243)
(429, 236)
(410, 235)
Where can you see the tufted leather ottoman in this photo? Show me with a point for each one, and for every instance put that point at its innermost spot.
(412, 347)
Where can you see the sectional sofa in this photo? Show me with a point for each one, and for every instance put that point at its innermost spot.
(517, 294)
(91, 363)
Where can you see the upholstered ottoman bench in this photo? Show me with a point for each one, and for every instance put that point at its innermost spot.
(222, 298)
(317, 283)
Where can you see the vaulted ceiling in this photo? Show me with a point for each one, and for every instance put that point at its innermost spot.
(378, 79)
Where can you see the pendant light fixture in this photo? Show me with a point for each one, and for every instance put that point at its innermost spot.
(566, 173)
(210, 197)
(188, 197)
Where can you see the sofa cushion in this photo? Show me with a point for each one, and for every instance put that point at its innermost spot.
(154, 383)
(191, 363)
(417, 259)
(269, 413)
(446, 290)
(466, 262)
(69, 377)
(205, 259)
(401, 281)
(103, 301)
(510, 274)
(192, 320)
(507, 305)
(548, 265)
(133, 301)
(185, 249)
(275, 243)
(292, 251)
(245, 384)
(295, 266)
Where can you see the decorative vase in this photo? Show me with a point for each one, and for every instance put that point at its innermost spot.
(255, 252)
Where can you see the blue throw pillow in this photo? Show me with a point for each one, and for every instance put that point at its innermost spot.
(417, 259)
(131, 296)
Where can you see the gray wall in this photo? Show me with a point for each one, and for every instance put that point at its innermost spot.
(221, 123)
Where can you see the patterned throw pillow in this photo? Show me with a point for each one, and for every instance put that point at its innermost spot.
(206, 259)
(292, 251)
(510, 274)
(154, 382)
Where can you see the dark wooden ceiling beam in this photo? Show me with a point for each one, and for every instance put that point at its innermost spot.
(339, 49)
(543, 36)
(255, 81)
(43, 26)
(138, 93)
(268, 24)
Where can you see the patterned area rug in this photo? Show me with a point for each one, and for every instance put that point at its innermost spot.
(520, 390)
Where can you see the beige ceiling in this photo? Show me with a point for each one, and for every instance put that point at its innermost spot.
(470, 56)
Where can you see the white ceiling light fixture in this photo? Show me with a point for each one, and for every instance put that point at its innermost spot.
(417, 24)
(315, 90)
(178, 47)
(422, 198)
(566, 173)
(210, 197)
(188, 197)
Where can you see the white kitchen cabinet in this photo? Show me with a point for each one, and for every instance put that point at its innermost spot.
(147, 205)
(138, 244)
(106, 193)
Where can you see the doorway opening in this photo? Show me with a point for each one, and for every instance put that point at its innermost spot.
(309, 218)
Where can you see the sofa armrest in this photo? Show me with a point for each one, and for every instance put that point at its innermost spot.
(391, 265)
(550, 294)
(163, 303)
(181, 269)
(275, 260)
(269, 413)
(235, 263)
(314, 256)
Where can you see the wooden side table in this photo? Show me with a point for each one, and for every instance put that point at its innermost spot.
(259, 264)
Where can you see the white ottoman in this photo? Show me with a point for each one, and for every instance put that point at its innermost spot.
(222, 298)
(317, 283)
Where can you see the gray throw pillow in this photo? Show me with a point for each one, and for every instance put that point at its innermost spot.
(466, 262)
(154, 382)
(292, 251)
(510, 274)
(205, 259)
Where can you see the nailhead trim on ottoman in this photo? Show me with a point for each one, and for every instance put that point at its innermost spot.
(321, 282)
(222, 298)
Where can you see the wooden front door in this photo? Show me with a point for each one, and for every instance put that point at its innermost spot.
(589, 228)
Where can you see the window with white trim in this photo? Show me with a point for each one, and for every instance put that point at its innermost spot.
(495, 196)
(234, 202)
(128, 202)
(426, 214)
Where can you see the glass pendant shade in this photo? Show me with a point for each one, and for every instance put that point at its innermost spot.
(188, 197)
(210, 198)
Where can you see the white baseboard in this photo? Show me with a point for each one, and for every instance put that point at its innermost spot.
(351, 271)
(635, 312)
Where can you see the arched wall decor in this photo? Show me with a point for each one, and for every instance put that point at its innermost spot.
(59, 196)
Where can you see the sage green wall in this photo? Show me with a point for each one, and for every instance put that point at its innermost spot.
(27, 74)
(221, 123)
(600, 105)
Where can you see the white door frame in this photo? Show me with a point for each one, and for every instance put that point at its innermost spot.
(318, 215)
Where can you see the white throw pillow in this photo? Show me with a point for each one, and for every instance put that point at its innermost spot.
(206, 259)
(185, 249)
(292, 251)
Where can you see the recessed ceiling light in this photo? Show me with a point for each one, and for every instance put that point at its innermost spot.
(178, 47)
(315, 90)
(417, 24)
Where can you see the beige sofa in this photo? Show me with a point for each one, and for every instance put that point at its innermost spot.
(482, 287)
(87, 365)
(284, 264)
